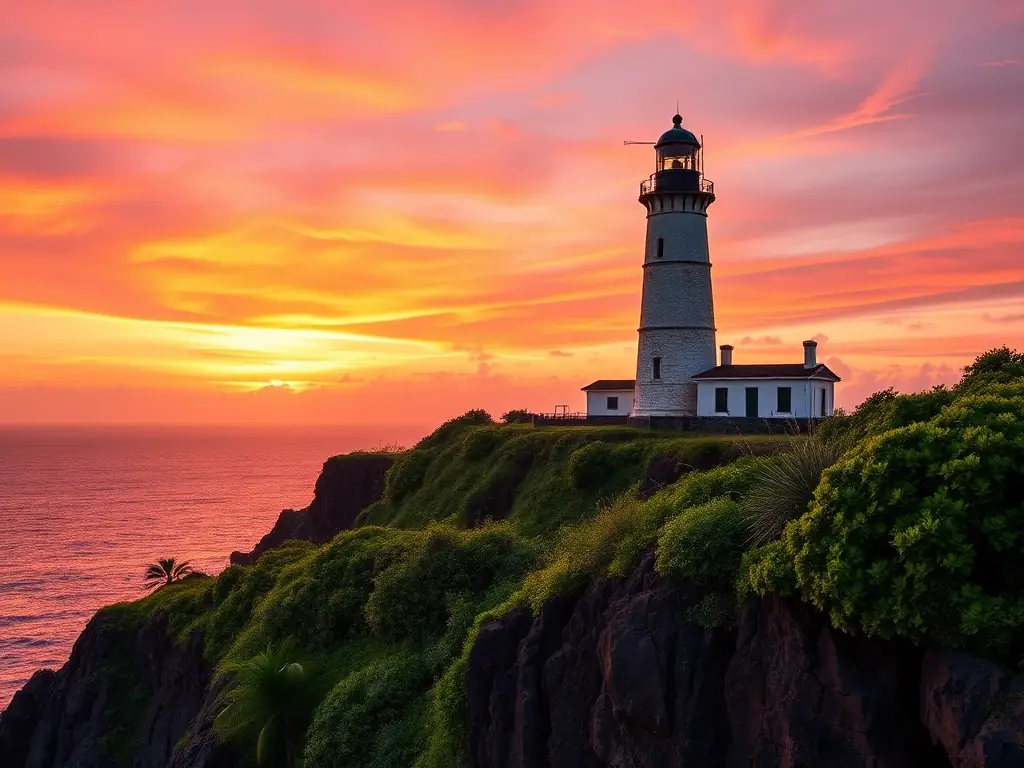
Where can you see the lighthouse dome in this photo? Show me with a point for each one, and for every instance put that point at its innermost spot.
(677, 134)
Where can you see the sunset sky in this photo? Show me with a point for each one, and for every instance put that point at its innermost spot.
(352, 212)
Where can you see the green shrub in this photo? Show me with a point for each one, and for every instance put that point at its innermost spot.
(479, 443)
(517, 416)
(443, 434)
(785, 486)
(373, 717)
(592, 465)
(407, 474)
(733, 480)
(882, 412)
(714, 610)
(414, 596)
(918, 533)
(766, 569)
(703, 545)
(582, 551)
(996, 366)
(325, 604)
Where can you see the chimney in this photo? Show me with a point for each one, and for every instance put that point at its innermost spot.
(810, 354)
(726, 354)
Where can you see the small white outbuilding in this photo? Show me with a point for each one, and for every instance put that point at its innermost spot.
(610, 397)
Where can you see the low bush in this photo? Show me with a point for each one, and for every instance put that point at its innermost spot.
(881, 412)
(592, 465)
(479, 443)
(443, 434)
(703, 545)
(517, 416)
(374, 716)
(407, 474)
(714, 610)
(413, 597)
(918, 533)
(582, 552)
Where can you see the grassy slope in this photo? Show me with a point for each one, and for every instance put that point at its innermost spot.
(386, 612)
(555, 483)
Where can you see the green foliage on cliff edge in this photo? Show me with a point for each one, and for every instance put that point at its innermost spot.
(539, 479)
(918, 532)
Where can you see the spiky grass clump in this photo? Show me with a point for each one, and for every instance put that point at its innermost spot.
(785, 486)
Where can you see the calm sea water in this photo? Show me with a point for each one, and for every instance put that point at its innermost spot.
(84, 510)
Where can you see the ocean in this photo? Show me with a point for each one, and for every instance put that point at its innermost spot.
(83, 510)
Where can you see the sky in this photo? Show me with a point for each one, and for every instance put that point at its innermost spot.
(294, 211)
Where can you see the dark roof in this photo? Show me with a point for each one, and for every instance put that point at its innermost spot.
(610, 385)
(769, 371)
(677, 135)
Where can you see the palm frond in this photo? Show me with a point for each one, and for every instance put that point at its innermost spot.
(166, 570)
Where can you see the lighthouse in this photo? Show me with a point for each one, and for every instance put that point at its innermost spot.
(677, 317)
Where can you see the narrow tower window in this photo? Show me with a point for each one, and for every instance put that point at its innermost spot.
(661, 252)
(657, 367)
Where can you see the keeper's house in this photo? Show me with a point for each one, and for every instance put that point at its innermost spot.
(773, 391)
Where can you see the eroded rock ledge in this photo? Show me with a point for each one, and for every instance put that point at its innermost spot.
(620, 677)
(345, 487)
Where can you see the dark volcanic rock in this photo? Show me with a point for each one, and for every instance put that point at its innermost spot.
(616, 678)
(178, 676)
(22, 715)
(345, 487)
(800, 693)
(291, 524)
(973, 709)
(620, 678)
(122, 695)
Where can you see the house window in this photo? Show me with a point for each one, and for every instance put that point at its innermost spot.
(657, 367)
(661, 247)
(613, 403)
(785, 404)
(721, 399)
(824, 397)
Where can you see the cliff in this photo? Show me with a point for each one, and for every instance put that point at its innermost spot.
(621, 677)
(518, 597)
(125, 696)
(346, 485)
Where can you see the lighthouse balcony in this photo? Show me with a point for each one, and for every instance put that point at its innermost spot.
(673, 180)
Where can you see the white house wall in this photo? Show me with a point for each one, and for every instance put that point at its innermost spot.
(597, 403)
(805, 394)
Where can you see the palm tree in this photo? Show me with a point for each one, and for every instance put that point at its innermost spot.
(163, 572)
(275, 693)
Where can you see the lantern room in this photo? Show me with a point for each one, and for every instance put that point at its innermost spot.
(679, 164)
(677, 149)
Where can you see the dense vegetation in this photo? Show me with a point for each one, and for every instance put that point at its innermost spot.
(915, 530)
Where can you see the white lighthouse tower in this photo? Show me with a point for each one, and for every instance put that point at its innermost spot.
(677, 317)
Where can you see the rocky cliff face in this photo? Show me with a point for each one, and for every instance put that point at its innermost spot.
(119, 687)
(345, 487)
(621, 678)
